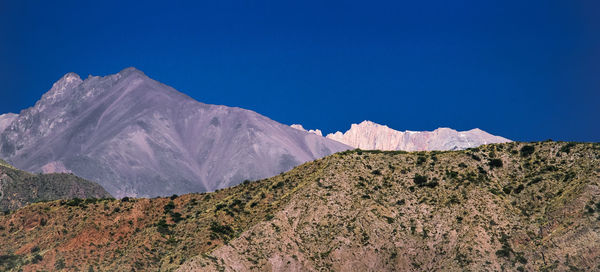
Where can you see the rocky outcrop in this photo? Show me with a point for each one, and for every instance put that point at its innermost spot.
(300, 127)
(371, 136)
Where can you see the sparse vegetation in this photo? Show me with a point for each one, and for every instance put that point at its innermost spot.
(420, 180)
(527, 150)
(19, 188)
(497, 163)
(466, 214)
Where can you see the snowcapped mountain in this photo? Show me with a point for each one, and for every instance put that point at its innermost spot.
(138, 137)
(371, 136)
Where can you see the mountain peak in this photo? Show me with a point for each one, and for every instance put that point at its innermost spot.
(368, 123)
(131, 71)
(62, 86)
(68, 79)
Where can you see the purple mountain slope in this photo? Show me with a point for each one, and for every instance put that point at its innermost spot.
(138, 137)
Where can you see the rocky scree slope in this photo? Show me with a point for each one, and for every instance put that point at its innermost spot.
(512, 206)
(19, 188)
(371, 136)
(138, 137)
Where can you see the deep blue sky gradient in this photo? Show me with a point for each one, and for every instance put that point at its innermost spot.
(526, 70)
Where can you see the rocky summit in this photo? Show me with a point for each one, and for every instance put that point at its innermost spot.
(138, 137)
(371, 136)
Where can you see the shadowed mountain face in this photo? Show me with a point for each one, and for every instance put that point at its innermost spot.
(138, 137)
(19, 188)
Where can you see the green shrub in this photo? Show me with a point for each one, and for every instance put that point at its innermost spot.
(451, 174)
(8, 260)
(521, 259)
(432, 184)
(37, 258)
(169, 207)
(278, 185)
(221, 229)
(567, 148)
(519, 189)
(506, 249)
(420, 180)
(74, 202)
(162, 227)
(176, 217)
(504, 252)
(495, 163)
(60, 264)
(527, 150)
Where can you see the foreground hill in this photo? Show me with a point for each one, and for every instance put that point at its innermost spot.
(19, 188)
(138, 137)
(512, 206)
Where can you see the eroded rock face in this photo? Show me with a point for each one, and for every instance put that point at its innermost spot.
(6, 120)
(138, 137)
(371, 136)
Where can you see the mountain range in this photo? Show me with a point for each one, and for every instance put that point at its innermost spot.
(466, 201)
(371, 136)
(138, 137)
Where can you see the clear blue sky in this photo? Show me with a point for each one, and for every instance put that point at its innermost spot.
(526, 70)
